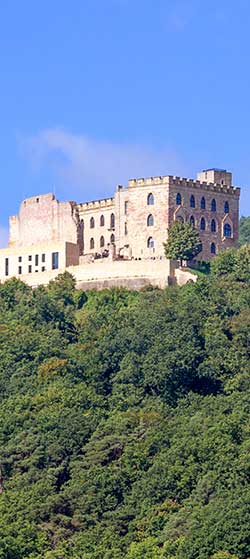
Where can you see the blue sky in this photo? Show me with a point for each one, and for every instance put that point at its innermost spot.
(94, 92)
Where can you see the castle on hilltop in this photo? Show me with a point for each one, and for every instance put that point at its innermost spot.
(48, 235)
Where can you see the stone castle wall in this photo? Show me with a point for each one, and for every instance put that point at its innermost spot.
(221, 194)
(43, 219)
(116, 273)
(146, 221)
(132, 225)
(97, 238)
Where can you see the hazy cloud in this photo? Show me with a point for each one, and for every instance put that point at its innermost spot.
(180, 14)
(84, 162)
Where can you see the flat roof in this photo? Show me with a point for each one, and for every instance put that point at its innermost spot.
(216, 169)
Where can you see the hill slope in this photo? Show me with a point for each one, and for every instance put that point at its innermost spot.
(125, 420)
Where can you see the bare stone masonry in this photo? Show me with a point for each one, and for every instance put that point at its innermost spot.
(47, 234)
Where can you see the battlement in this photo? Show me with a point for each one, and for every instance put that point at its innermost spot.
(148, 181)
(182, 181)
(194, 183)
(96, 204)
(131, 224)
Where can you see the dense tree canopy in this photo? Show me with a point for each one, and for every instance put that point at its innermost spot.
(124, 419)
(244, 230)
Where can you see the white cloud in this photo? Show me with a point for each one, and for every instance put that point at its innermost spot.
(82, 162)
(4, 235)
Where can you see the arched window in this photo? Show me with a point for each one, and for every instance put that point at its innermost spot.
(150, 221)
(125, 229)
(203, 203)
(92, 243)
(202, 224)
(226, 208)
(112, 238)
(227, 230)
(192, 222)
(112, 221)
(213, 205)
(92, 223)
(151, 200)
(180, 218)
(151, 242)
(213, 248)
(213, 226)
(102, 221)
(192, 201)
(178, 199)
(102, 242)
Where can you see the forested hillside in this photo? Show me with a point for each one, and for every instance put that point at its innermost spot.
(244, 230)
(124, 419)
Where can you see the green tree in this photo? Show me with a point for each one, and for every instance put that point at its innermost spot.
(224, 263)
(242, 265)
(183, 242)
(124, 419)
(146, 549)
(244, 230)
(223, 555)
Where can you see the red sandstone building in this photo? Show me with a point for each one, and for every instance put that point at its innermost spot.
(48, 234)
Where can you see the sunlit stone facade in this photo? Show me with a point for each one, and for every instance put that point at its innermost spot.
(48, 234)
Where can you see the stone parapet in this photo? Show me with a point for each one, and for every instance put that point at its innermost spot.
(141, 272)
(149, 181)
(96, 204)
(182, 181)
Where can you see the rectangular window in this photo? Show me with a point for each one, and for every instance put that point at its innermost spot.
(19, 259)
(30, 269)
(126, 207)
(6, 266)
(30, 258)
(43, 257)
(43, 268)
(19, 269)
(125, 229)
(55, 260)
(36, 260)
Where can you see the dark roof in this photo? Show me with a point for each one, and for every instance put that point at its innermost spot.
(215, 169)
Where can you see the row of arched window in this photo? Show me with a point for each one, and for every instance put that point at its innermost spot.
(102, 241)
(102, 221)
(202, 203)
(213, 226)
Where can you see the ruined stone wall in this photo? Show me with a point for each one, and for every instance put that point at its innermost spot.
(43, 219)
(135, 221)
